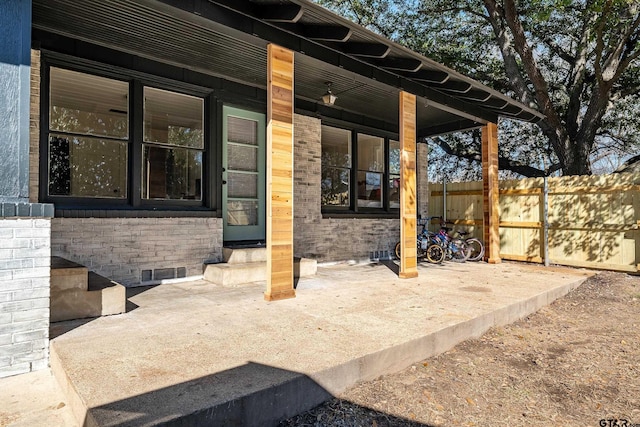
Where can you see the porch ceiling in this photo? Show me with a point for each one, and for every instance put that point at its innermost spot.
(228, 38)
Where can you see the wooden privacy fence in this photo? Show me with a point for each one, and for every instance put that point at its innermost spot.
(592, 221)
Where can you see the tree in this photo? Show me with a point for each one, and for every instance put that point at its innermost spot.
(575, 61)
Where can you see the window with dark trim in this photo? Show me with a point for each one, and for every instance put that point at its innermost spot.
(360, 172)
(88, 135)
(99, 150)
(173, 145)
(336, 167)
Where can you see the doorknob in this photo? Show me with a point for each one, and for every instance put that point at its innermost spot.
(224, 182)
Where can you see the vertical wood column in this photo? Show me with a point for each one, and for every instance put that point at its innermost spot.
(279, 174)
(408, 258)
(490, 193)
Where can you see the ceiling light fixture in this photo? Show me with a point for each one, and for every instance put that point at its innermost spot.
(329, 98)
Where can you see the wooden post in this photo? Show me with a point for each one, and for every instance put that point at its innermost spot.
(279, 174)
(490, 193)
(408, 202)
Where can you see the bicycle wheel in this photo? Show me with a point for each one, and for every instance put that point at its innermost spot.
(459, 250)
(435, 253)
(396, 250)
(477, 249)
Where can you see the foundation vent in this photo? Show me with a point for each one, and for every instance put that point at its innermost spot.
(382, 255)
(159, 274)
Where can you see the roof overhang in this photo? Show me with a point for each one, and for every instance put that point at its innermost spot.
(228, 38)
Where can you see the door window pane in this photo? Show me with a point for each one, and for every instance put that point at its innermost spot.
(244, 185)
(173, 118)
(243, 131)
(87, 167)
(88, 105)
(171, 173)
(242, 157)
(242, 212)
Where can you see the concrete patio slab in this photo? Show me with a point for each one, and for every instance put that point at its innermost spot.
(201, 354)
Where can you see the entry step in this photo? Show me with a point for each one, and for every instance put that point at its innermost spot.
(77, 293)
(248, 265)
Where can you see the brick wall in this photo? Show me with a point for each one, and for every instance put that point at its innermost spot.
(329, 239)
(121, 248)
(24, 294)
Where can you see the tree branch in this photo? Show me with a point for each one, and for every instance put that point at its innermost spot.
(503, 162)
(516, 80)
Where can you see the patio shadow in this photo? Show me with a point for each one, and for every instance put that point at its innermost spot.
(249, 395)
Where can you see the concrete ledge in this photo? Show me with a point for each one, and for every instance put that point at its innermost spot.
(304, 267)
(236, 273)
(244, 255)
(67, 275)
(101, 297)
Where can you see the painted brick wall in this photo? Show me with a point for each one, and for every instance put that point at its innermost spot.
(25, 256)
(331, 239)
(34, 126)
(120, 248)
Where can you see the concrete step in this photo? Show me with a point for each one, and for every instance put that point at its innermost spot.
(98, 297)
(236, 273)
(244, 255)
(67, 275)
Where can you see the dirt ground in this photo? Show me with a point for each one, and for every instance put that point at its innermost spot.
(573, 363)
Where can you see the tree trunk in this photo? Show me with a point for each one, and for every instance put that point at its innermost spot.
(576, 157)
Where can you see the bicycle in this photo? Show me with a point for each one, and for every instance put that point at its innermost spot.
(456, 249)
(427, 246)
(475, 244)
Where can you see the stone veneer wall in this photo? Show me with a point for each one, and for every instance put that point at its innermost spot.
(121, 248)
(335, 239)
(25, 256)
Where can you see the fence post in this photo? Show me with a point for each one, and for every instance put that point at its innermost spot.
(545, 224)
(444, 198)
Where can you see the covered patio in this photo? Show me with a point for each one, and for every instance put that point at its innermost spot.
(284, 56)
(201, 354)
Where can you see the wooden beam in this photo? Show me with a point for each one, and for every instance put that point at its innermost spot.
(454, 86)
(369, 50)
(279, 174)
(408, 202)
(491, 193)
(331, 33)
(429, 76)
(399, 64)
(280, 13)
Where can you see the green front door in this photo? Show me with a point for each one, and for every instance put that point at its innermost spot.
(243, 165)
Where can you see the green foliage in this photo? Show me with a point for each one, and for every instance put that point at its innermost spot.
(583, 71)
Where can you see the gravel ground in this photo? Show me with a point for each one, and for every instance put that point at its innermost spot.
(573, 363)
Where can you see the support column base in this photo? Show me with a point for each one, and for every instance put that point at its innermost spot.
(408, 275)
(277, 296)
(494, 260)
